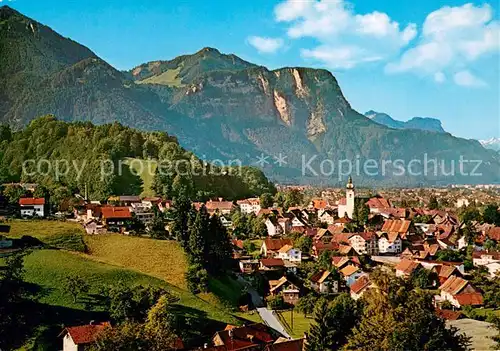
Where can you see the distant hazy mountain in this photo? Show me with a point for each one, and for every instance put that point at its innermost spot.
(492, 144)
(220, 107)
(423, 123)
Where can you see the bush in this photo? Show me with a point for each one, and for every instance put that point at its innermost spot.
(197, 279)
(275, 302)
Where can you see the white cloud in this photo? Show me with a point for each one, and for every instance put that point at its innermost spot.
(345, 37)
(452, 38)
(467, 79)
(266, 45)
(344, 57)
(439, 77)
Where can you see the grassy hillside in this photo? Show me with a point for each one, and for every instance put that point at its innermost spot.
(161, 259)
(42, 230)
(54, 234)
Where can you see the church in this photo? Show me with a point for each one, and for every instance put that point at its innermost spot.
(346, 204)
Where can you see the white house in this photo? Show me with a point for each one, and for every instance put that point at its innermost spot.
(459, 292)
(324, 282)
(273, 227)
(389, 243)
(31, 207)
(326, 216)
(346, 204)
(488, 259)
(288, 253)
(364, 243)
(80, 337)
(358, 288)
(251, 205)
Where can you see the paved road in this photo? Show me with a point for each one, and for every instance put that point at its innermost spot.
(268, 316)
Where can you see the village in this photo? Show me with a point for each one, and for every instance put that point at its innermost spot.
(320, 249)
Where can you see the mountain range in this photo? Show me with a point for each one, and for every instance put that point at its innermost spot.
(221, 107)
(492, 144)
(422, 123)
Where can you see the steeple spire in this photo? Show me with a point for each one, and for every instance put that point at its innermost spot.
(350, 185)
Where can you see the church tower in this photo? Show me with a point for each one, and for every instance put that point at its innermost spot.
(349, 196)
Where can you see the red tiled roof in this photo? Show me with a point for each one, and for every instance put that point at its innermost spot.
(493, 233)
(378, 202)
(400, 226)
(85, 334)
(289, 345)
(341, 238)
(116, 212)
(320, 204)
(343, 201)
(361, 283)
(245, 337)
(453, 285)
(219, 205)
(276, 244)
(407, 266)
(272, 262)
(478, 254)
(30, 201)
(448, 314)
(237, 243)
(319, 247)
(466, 299)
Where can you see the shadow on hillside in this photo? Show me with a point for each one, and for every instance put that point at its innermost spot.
(127, 183)
(195, 325)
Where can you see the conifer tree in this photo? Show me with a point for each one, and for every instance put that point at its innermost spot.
(198, 237)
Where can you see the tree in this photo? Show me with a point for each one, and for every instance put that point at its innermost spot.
(361, 213)
(449, 255)
(491, 215)
(304, 244)
(159, 326)
(266, 200)
(306, 304)
(157, 226)
(14, 310)
(182, 209)
(496, 338)
(127, 336)
(398, 317)
(433, 203)
(13, 193)
(325, 260)
(198, 235)
(220, 248)
(76, 285)
(470, 214)
(275, 302)
(249, 246)
(333, 323)
(293, 197)
(197, 279)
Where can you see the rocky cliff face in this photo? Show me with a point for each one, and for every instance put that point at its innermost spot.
(218, 106)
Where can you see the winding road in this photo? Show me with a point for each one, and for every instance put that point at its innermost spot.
(267, 315)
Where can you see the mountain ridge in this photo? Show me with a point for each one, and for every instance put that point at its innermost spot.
(422, 123)
(220, 107)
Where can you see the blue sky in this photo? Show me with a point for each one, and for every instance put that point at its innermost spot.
(406, 58)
